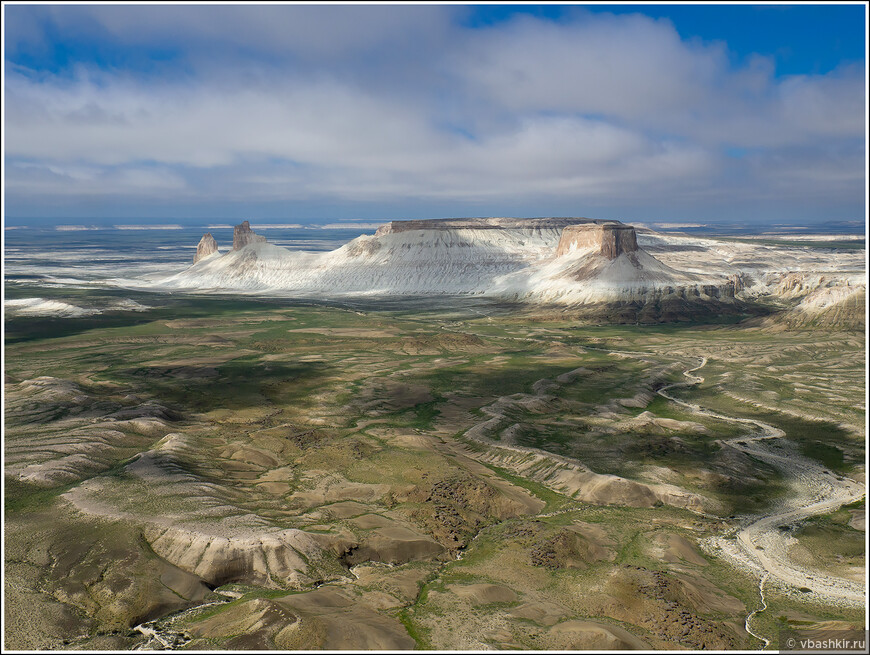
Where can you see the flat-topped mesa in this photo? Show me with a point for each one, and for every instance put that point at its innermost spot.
(612, 239)
(207, 246)
(557, 223)
(243, 235)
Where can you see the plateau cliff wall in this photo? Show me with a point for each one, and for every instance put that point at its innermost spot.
(611, 239)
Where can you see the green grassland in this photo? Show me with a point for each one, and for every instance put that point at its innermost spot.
(287, 411)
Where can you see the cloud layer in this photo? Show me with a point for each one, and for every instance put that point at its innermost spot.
(406, 111)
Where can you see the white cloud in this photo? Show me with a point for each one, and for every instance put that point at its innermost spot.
(629, 67)
(45, 176)
(638, 71)
(375, 104)
(316, 31)
(830, 105)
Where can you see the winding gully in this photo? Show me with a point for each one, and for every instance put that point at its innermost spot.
(760, 545)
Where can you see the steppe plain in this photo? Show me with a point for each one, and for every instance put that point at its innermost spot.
(228, 473)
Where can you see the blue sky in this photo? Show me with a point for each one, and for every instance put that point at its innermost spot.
(318, 113)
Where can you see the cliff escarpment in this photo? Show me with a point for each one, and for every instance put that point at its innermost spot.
(566, 260)
(609, 239)
(572, 262)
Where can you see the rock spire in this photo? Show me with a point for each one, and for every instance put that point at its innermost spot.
(207, 246)
(243, 235)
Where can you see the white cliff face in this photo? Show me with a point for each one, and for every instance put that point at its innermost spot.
(814, 277)
(451, 261)
(587, 276)
(564, 261)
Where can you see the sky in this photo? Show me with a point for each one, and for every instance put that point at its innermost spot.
(320, 113)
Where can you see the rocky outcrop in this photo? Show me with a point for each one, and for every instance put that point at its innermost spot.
(574, 480)
(394, 545)
(243, 235)
(611, 239)
(271, 559)
(394, 227)
(828, 308)
(207, 246)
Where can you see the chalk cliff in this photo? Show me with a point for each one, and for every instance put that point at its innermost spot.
(572, 261)
(565, 260)
(609, 239)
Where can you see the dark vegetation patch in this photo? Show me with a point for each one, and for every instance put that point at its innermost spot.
(677, 311)
(832, 533)
(565, 549)
(830, 456)
(479, 379)
(669, 449)
(21, 496)
(819, 440)
(240, 383)
(752, 496)
(441, 342)
(455, 508)
(425, 415)
(170, 307)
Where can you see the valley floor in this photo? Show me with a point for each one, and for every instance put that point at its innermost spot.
(224, 473)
